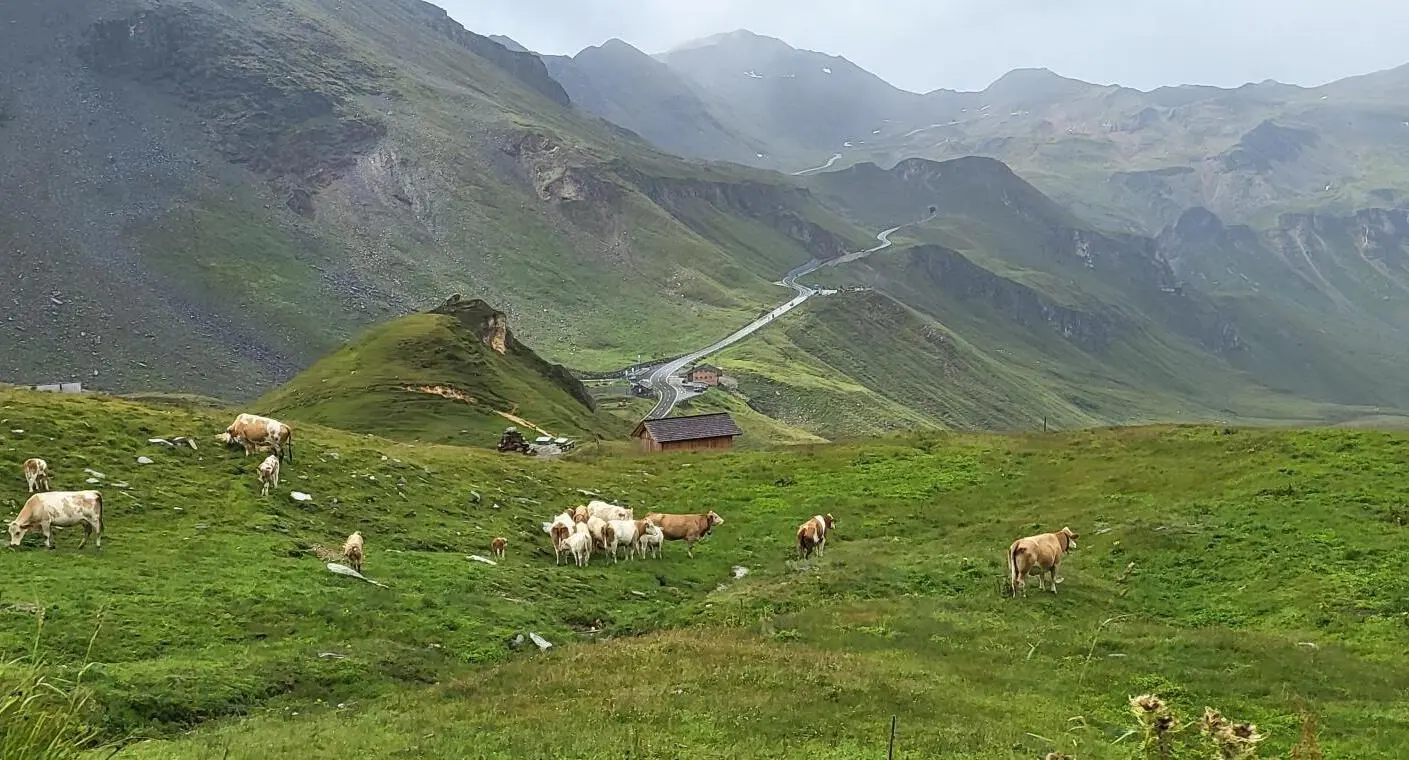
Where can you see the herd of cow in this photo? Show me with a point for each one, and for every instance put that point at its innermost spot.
(576, 533)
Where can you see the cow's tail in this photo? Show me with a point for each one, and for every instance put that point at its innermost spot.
(290, 446)
(1013, 552)
(100, 514)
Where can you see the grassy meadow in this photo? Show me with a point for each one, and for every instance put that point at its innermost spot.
(1258, 572)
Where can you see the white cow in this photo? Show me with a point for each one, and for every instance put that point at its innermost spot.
(61, 509)
(650, 539)
(608, 511)
(628, 534)
(579, 545)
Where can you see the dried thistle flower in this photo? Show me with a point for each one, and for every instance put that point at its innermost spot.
(1213, 721)
(1146, 704)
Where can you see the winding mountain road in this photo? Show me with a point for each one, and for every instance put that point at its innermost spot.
(662, 378)
(835, 158)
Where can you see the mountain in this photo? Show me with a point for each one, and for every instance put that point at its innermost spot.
(792, 100)
(629, 88)
(455, 374)
(209, 195)
(1124, 158)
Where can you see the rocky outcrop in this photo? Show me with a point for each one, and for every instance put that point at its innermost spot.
(491, 327)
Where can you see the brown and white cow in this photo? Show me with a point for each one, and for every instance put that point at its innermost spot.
(60, 509)
(812, 535)
(497, 546)
(250, 431)
(268, 474)
(1042, 554)
(687, 528)
(354, 548)
(36, 475)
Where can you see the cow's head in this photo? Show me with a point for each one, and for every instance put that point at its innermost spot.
(829, 520)
(16, 533)
(714, 519)
(1071, 537)
(225, 438)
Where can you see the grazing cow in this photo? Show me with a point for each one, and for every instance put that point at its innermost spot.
(650, 539)
(558, 533)
(812, 535)
(579, 545)
(496, 547)
(580, 514)
(355, 549)
(36, 475)
(609, 512)
(687, 528)
(628, 534)
(250, 430)
(1042, 553)
(268, 474)
(60, 509)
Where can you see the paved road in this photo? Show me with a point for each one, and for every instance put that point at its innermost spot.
(662, 378)
(835, 158)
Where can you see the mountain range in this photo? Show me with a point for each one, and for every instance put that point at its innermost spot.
(208, 196)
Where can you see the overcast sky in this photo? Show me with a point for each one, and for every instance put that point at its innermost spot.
(923, 45)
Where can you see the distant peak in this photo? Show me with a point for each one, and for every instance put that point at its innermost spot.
(736, 37)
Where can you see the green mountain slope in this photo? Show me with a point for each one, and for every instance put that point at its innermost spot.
(448, 375)
(212, 606)
(270, 178)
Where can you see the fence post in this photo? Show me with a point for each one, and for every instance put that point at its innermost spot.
(890, 755)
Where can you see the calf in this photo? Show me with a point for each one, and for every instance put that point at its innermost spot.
(609, 512)
(687, 528)
(355, 549)
(650, 539)
(268, 474)
(812, 535)
(496, 547)
(1042, 553)
(36, 475)
(579, 545)
(251, 430)
(60, 509)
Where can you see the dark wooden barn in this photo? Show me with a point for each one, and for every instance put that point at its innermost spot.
(700, 432)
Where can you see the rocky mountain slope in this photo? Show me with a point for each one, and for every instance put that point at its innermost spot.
(208, 195)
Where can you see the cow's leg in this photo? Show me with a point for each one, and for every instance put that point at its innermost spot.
(821, 546)
(1055, 566)
(48, 529)
(87, 531)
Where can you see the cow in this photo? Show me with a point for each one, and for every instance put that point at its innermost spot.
(649, 540)
(1042, 553)
(628, 534)
(580, 514)
(596, 526)
(812, 535)
(579, 545)
(250, 430)
(497, 546)
(268, 474)
(687, 528)
(36, 475)
(355, 550)
(609, 512)
(61, 509)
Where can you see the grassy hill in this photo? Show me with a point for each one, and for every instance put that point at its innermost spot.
(455, 374)
(208, 604)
